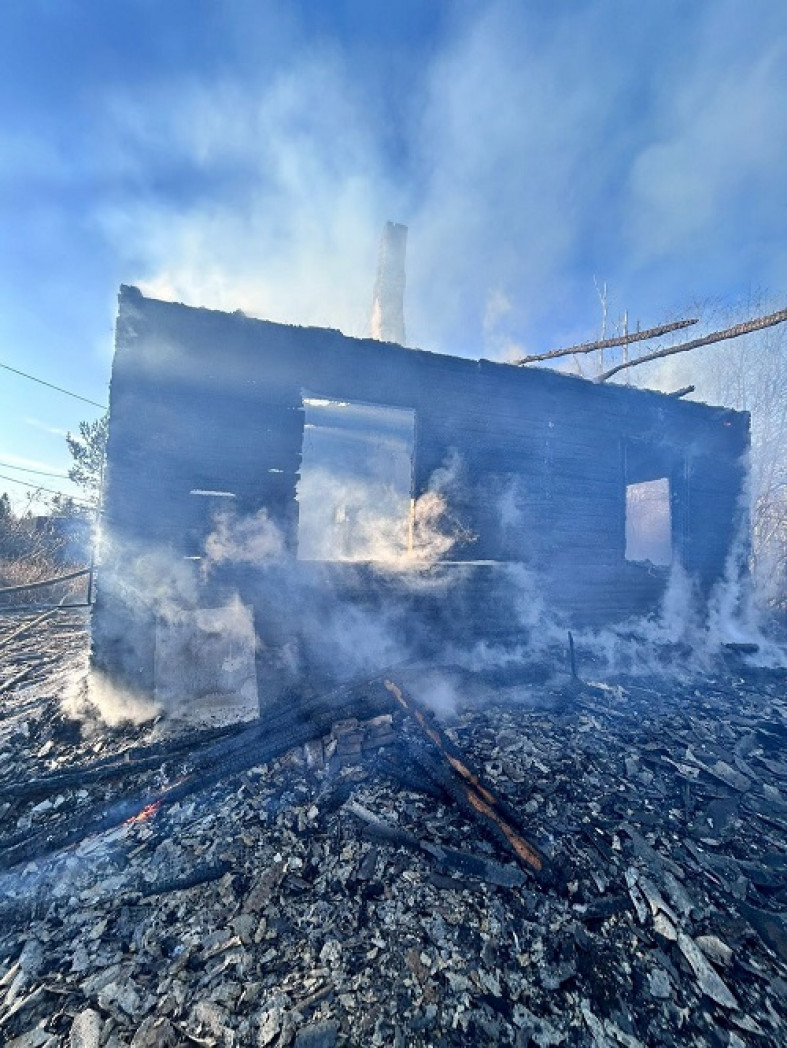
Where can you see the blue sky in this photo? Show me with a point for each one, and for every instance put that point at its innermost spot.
(244, 154)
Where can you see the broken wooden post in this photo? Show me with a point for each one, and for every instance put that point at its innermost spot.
(571, 655)
(466, 788)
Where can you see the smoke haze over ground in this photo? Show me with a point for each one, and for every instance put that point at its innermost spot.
(316, 627)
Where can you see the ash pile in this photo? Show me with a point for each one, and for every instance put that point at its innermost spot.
(560, 863)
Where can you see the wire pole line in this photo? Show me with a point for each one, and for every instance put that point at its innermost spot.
(59, 389)
(49, 491)
(40, 472)
(607, 343)
(717, 336)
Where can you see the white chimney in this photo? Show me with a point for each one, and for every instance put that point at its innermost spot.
(388, 304)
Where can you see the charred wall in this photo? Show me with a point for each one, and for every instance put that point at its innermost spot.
(207, 401)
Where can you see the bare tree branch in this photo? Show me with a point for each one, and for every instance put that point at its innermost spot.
(717, 336)
(607, 343)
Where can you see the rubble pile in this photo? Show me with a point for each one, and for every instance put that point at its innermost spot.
(336, 894)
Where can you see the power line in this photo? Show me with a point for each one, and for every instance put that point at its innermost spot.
(50, 491)
(26, 469)
(59, 389)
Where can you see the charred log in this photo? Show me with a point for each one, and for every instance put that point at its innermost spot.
(205, 874)
(465, 787)
(287, 726)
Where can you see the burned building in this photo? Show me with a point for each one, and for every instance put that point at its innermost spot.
(261, 476)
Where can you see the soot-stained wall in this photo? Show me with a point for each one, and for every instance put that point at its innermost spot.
(208, 401)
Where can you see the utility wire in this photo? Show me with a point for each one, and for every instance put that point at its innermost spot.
(59, 389)
(40, 472)
(50, 491)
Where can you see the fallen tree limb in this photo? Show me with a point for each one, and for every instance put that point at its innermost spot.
(606, 343)
(717, 336)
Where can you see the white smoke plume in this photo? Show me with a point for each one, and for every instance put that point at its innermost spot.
(93, 693)
(361, 520)
(694, 627)
(242, 540)
(357, 614)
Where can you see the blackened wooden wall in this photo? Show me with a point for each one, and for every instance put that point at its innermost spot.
(207, 400)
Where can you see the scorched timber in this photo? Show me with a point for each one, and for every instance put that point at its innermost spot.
(465, 787)
(447, 860)
(285, 727)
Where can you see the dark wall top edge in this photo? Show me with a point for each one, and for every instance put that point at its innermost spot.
(131, 297)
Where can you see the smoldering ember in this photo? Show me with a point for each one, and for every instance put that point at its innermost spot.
(414, 706)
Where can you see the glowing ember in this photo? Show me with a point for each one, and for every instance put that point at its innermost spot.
(147, 812)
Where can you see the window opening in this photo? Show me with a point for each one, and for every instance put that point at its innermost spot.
(355, 494)
(649, 522)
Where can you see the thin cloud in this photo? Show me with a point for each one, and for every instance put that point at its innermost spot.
(292, 236)
(715, 167)
(32, 464)
(46, 427)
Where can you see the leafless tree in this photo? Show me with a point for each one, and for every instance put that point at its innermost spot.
(748, 373)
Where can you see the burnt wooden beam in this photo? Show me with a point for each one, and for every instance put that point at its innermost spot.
(466, 788)
(287, 725)
(204, 874)
(572, 657)
(504, 829)
(446, 859)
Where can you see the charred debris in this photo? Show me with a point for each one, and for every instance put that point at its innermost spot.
(351, 785)
(544, 863)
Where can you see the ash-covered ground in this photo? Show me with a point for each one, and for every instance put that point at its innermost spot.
(261, 909)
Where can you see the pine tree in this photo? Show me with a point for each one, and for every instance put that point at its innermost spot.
(88, 450)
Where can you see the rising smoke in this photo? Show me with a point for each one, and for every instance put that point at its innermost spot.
(319, 622)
